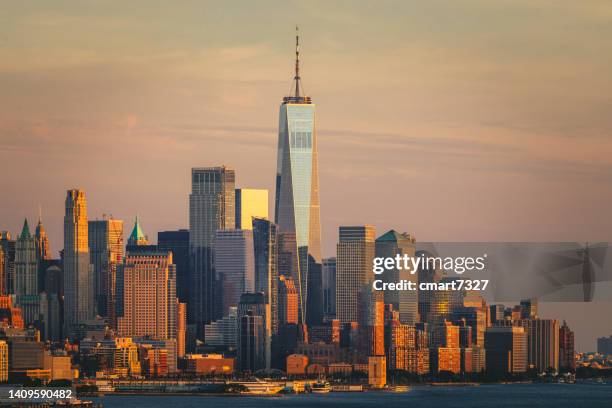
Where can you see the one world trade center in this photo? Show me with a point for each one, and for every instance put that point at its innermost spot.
(297, 199)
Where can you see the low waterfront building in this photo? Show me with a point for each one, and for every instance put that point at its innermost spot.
(296, 364)
(206, 364)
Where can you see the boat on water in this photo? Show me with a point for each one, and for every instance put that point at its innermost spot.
(397, 388)
(260, 387)
(321, 387)
(74, 403)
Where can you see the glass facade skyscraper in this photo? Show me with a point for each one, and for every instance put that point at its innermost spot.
(297, 197)
(266, 264)
(211, 208)
(106, 253)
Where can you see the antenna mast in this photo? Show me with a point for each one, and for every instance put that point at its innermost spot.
(297, 62)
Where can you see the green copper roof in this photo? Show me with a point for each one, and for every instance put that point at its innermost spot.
(137, 235)
(392, 236)
(25, 232)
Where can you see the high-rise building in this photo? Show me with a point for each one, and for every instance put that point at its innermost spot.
(26, 277)
(543, 339)
(177, 242)
(389, 245)
(181, 328)
(529, 308)
(445, 334)
(146, 296)
(254, 332)
(222, 332)
(43, 253)
(2, 270)
(26, 269)
(234, 265)
(42, 241)
(401, 350)
(4, 361)
(106, 252)
(329, 288)
(567, 359)
(435, 306)
(78, 272)
(251, 342)
(266, 264)
(296, 207)
(355, 254)
(476, 318)
(371, 319)
(8, 249)
(506, 350)
(497, 313)
(250, 203)
(287, 301)
(604, 345)
(50, 309)
(9, 313)
(211, 208)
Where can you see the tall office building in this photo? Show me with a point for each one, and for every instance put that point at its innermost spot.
(476, 318)
(543, 337)
(223, 332)
(2, 270)
(296, 207)
(250, 203)
(287, 302)
(106, 252)
(496, 313)
(43, 253)
(529, 308)
(234, 266)
(355, 254)
(506, 350)
(266, 264)
(254, 332)
(435, 306)
(4, 363)
(329, 288)
(604, 345)
(251, 342)
(8, 248)
(146, 296)
(389, 245)
(371, 319)
(177, 242)
(181, 327)
(42, 241)
(78, 272)
(567, 352)
(211, 208)
(26, 269)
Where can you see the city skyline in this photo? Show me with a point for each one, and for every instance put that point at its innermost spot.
(527, 203)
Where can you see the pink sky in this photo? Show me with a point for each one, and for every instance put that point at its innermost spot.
(454, 121)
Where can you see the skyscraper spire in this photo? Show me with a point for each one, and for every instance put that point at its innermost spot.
(42, 241)
(297, 62)
(25, 231)
(296, 92)
(137, 237)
